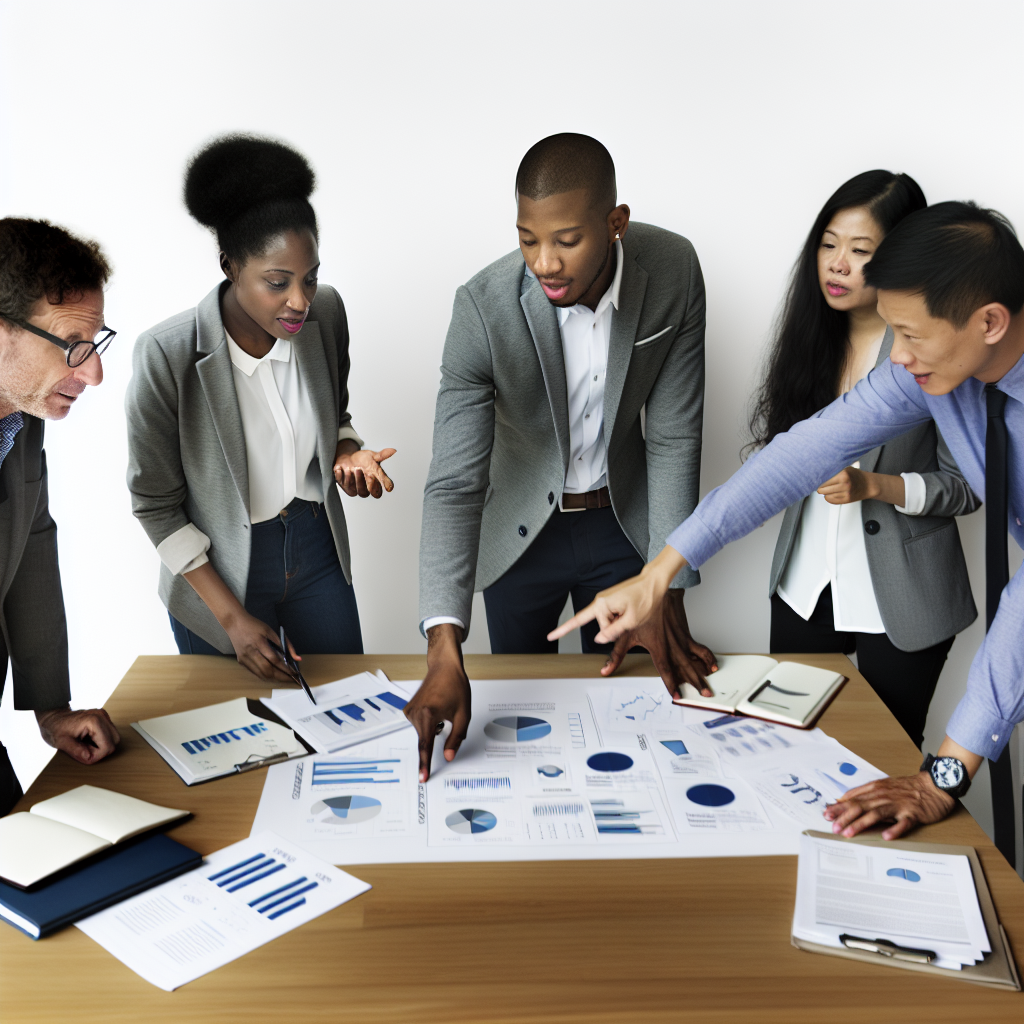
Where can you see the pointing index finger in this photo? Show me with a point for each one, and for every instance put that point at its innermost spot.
(579, 619)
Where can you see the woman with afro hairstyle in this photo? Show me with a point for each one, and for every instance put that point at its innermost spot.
(238, 426)
(856, 563)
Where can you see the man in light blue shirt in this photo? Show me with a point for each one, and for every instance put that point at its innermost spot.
(950, 283)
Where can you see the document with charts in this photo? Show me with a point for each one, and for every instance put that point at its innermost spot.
(242, 897)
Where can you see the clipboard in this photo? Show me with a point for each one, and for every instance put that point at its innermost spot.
(997, 970)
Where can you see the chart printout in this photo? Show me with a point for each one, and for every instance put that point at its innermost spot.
(240, 898)
(549, 769)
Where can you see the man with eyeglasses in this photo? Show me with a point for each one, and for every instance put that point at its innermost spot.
(51, 336)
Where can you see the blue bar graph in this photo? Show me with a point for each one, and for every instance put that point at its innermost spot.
(284, 910)
(291, 895)
(235, 867)
(279, 889)
(393, 699)
(255, 878)
(241, 874)
(346, 772)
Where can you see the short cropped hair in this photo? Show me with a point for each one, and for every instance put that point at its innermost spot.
(248, 190)
(958, 256)
(565, 163)
(40, 260)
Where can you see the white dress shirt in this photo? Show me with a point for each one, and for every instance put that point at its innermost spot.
(279, 424)
(585, 334)
(837, 533)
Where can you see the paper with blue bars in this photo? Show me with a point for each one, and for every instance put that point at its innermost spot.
(242, 897)
(347, 711)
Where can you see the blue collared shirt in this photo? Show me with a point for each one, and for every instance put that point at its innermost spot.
(9, 427)
(887, 403)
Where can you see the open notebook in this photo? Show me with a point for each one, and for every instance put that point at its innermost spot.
(65, 829)
(778, 691)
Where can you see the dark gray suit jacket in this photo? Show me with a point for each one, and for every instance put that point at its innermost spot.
(501, 427)
(187, 459)
(35, 632)
(917, 565)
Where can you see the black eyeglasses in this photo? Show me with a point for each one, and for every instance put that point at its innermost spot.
(75, 352)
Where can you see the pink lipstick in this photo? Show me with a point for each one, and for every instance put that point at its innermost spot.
(291, 326)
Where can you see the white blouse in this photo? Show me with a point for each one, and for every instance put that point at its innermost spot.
(279, 425)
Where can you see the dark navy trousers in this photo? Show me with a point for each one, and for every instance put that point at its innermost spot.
(295, 581)
(577, 554)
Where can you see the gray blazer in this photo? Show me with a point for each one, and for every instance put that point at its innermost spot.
(917, 565)
(501, 427)
(35, 632)
(186, 448)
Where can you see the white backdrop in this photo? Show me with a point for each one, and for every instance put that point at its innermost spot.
(729, 122)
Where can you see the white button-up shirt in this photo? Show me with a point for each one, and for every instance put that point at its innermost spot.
(585, 335)
(279, 425)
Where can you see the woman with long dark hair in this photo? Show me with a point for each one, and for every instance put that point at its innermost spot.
(238, 426)
(871, 563)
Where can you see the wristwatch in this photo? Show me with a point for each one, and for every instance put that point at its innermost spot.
(949, 774)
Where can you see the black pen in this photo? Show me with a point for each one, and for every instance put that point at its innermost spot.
(290, 662)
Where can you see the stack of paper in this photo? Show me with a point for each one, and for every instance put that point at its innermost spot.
(347, 711)
(918, 901)
(218, 740)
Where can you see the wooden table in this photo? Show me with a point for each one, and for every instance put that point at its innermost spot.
(693, 940)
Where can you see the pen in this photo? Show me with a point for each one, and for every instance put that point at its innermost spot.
(290, 662)
(887, 948)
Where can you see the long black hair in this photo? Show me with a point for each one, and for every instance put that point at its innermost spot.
(248, 189)
(812, 339)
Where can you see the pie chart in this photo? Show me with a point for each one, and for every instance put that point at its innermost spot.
(471, 821)
(550, 771)
(710, 795)
(610, 761)
(910, 876)
(517, 729)
(350, 808)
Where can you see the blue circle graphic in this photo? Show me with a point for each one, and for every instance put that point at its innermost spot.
(610, 761)
(709, 795)
(550, 771)
(910, 876)
(848, 769)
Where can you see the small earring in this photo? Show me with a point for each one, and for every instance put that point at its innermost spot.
(616, 238)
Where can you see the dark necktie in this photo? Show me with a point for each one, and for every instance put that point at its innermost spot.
(997, 575)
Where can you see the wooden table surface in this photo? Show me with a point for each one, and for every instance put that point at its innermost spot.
(692, 940)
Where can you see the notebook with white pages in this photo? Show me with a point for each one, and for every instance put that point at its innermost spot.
(786, 692)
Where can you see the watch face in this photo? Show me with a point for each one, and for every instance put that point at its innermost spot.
(947, 772)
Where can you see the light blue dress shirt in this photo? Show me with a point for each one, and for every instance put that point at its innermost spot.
(887, 403)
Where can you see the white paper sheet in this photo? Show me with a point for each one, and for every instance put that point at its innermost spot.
(103, 812)
(209, 742)
(347, 711)
(533, 775)
(242, 897)
(916, 900)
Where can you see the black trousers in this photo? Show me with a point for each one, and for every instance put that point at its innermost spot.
(578, 554)
(10, 787)
(904, 680)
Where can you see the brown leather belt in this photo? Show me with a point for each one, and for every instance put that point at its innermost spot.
(592, 499)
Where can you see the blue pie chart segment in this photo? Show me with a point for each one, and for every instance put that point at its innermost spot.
(910, 876)
(610, 761)
(517, 729)
(848, 769)
(678, 747)
(710, 795)
(549, 771)
(351, 808)
(471, 821)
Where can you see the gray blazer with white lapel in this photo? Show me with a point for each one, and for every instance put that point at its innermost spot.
(916, 562)
(186, 448)
(35, 632)
(501, 427)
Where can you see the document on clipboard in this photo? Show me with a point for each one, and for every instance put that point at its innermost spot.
(222, 739)
(918, 906)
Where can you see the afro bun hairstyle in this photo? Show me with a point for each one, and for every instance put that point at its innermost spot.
(247, 190)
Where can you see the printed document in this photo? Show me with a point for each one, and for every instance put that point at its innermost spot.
(242, 897)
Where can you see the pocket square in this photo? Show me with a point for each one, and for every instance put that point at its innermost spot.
(653, 337)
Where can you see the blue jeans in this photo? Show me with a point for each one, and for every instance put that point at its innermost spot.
(295, 581)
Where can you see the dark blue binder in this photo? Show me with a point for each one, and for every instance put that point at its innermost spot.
(114, 876)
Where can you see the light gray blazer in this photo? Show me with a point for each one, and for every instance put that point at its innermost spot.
(186, 448)
(501, 427)
(35, 632)
(917, 565)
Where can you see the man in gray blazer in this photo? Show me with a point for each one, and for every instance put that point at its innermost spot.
(567, 435)
(51, 333)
